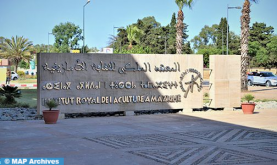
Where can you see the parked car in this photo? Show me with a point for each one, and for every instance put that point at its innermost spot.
(14, 76)
(262, 78)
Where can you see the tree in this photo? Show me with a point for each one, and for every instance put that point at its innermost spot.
(172, 35)
(272, 51)
(67, 36)
(134, 34)
(39, 49)
(207, 52)
(187, 49)
(245, 20)
(253, 49)
(93, 50)
(154, 38)
(261, 33)
(234, 43)
(24, 65)
(2, 39)
(260, 37)
(17, 49)
(136, 49)
(151, 21)
(206, 38)
(180, 24)
(212, 37)
(121, 39)
(153, 34)
(222, 34)
(112, 40)
(262, 57)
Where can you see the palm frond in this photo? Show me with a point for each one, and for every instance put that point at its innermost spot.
(182, 3)
(16, 49)
(134, 33)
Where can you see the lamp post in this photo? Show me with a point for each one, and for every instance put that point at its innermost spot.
(222, 41)
(165, 37)
(165, 44)
(237, 7)
(84, 25)
(114, 27)
(48, 42)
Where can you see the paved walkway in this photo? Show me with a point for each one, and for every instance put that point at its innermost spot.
(195, 138)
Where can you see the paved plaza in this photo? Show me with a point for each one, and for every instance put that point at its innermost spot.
(194, 138)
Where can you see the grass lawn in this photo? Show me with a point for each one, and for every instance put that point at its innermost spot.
(28, 96)
(25, 81)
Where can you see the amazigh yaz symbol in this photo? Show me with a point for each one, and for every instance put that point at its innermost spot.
(191, 83)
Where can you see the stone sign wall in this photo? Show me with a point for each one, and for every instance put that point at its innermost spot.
(114, 82)
(225, 86)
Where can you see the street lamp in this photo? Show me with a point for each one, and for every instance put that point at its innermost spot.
(237, 7)
(165, 37)
(165, 45)
(222, 41)
(48, 41)
(114, 27)
(84, 25)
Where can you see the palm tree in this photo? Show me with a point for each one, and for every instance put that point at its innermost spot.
(180, 24)
(134, 34)
(112, 40)
(10, 93)
(245, 20)
(16, 49)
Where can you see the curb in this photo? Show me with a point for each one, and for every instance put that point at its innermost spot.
(22, 85)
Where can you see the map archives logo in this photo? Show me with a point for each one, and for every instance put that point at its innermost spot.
(28, 161)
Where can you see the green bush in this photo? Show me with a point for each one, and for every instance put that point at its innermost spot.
(248, 97)
(51, 104)
(265, 100)
(24, 65)
(10, 93)
(135, 50)
(24, 105)
(1, 100)
(7, 106)
(31, 76)
(21, 74)
(14, 105)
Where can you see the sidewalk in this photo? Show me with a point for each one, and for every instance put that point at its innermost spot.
(227, 137)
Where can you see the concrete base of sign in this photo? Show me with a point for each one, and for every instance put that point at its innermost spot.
(61, 116)
(229, 109)
(186, 110)
(129, 113)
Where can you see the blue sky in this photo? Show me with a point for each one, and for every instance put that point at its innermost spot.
(33, 19)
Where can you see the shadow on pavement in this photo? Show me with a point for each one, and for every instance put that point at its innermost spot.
(267, 89)
(146, 139)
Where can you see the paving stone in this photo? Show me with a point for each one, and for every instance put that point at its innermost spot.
(215, 138)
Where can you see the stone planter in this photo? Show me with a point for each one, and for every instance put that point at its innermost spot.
(248, 108)
(51, 117)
